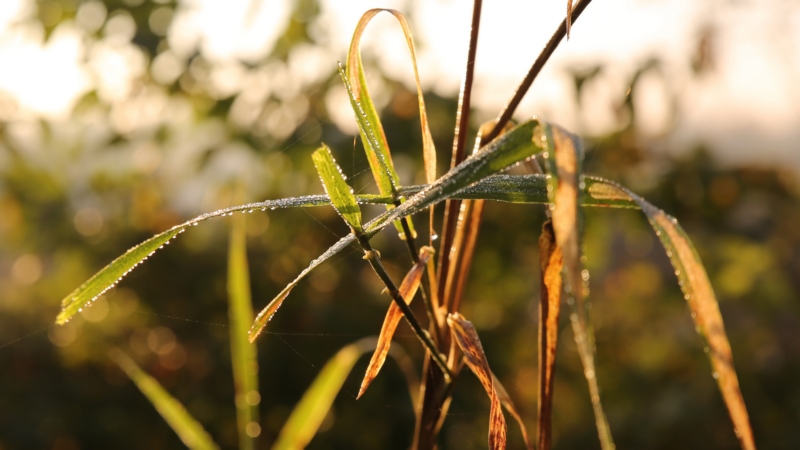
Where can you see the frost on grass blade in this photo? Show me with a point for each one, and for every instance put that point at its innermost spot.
(266, 314)
(408, 288)
(469, 343)
(564, 156)
(699, 294)
(307, 416)
(107, 278)
(185, 426)
(340, 194)
(510, 148)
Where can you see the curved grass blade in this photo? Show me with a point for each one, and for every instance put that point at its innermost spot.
(110, 275)
(508, 404)
(266, 314)
(564, 156)
(549, 306)
(307, 416)
(370, 127)
(336, 187)
(107, 278)
(469, 343)
(356, 79)
(185, 426)
(243, 354)
(699, 294)
(408, 288)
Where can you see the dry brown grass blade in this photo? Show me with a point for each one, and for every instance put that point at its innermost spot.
(549, 305)
(564, 157)
(407, 289)
(508, 404)
(469, 343)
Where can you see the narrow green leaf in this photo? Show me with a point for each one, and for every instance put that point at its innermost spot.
(336, 187)
(510, 148)
(108, 277)
(370, 127)
(185, 426)
(307, 416)
(243, 354)
(111, 274)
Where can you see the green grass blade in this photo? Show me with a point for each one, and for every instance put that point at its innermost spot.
(111, 274)
(185, 426)
(512, 147)
(564, 157)
(107, 278)
(243, 353)
(266, 314)
(336, 187)
(307, 416)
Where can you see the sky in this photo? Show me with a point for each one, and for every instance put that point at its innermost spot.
(746, 106)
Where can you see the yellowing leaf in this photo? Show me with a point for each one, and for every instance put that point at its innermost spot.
(185, 426)
(469, 343)
(407, 290)
(549, 306)
(307, 416)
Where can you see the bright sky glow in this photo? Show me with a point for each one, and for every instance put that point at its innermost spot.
(750, 95)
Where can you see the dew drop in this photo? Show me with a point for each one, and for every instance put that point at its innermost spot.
(434, 237)
(552, 206)
(715, 375)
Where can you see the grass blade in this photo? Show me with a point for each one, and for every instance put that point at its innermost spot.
(185, 426)
(699, 294)
(307, 416)
(512, 147)
(564, 156)
(408, 289)
(356, 78)
(243, 354)
(469, 343)
(549, 306)
(340, 194)
(109, 276)
(508, 404)
(266, 314)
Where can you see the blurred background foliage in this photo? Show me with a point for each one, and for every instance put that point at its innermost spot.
(163, 133)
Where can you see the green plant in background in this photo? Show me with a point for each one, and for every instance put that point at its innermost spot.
(451, 342)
